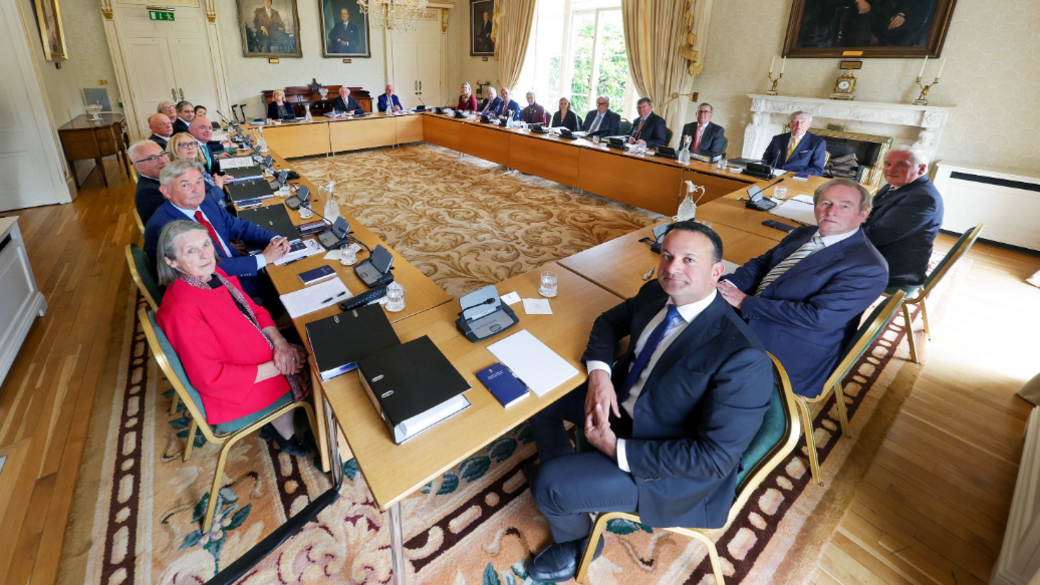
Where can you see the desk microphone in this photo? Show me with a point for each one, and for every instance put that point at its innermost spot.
(349, 236)
(484, 302)
(224, 118)
(780, 180)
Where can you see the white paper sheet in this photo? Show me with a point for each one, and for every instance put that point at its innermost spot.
(800, 208)
(510, 298)
(315, 298)
(313, 247)
(236, 162)
(537, 307)
(538, 367)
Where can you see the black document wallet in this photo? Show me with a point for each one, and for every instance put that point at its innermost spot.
(339, 341)
(272, 218)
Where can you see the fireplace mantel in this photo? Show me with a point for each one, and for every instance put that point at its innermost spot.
(919, 126)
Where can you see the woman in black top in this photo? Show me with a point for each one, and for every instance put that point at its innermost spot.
(278, 109)
(565, 117)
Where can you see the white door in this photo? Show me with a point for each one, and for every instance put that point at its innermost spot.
(406, 78)
(418, 65)
(151, 76)
(30, 160)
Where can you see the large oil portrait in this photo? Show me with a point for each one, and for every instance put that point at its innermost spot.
(48, 18)
(868, 28)
(481, 21)
(344, 29)
(270, 28)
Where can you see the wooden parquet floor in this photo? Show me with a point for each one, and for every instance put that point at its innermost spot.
(932, 508)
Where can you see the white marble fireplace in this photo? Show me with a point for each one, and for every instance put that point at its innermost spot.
(920, 126)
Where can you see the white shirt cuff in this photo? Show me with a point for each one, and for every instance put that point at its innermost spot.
(622, 460)
(261, 261)
(592, 365)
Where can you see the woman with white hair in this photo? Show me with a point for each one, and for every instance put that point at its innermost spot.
(230, 348)
(467, 101)
(278, 109)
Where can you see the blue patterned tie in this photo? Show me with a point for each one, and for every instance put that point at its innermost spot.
(648, 350)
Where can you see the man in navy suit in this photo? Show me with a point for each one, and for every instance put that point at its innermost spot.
(510, 108)
(185, 114)
(389, 101)
(704, 135)
(148, 159)
(492, 104)
(161, 127)
(669, 420)
(797, 151)
(202, 130)
(182, 184)
(602, 121)
(649, 129)
(907, 215)
(345, 103)
(804, 298)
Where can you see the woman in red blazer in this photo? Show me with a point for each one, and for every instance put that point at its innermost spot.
(467, 101)
(231, 350)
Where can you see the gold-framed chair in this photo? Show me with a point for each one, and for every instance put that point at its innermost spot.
(138, 222)
(916, 295)
(144, 277)
(775, 440)
(227, 434)
(865, 336)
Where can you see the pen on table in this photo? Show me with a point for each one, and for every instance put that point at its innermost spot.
(649, 274)
(294, 260)
(332, 298)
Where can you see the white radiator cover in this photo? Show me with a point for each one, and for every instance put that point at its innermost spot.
(20, 299)
(1011, 212)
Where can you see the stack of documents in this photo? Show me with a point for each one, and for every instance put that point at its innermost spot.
(315, 298)
(309, 248)
(530, 360)
(800, 208)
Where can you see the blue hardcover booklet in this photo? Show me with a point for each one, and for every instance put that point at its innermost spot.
(506, 387)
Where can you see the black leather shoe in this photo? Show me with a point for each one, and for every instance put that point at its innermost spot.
(267, 432)
(291, 446)
(559, 561)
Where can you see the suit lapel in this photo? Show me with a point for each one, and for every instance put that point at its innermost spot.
(828, 255)
(699, 332)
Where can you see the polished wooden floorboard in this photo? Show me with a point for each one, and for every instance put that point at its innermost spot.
(932, 508)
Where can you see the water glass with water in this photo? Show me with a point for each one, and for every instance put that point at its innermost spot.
(779, 193)
(394, 297)
(348, 255)
(549, 282)
(722, 164)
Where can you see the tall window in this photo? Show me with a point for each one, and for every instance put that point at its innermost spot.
(577, 51)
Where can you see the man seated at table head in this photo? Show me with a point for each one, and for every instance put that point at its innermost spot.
(648, 129)
(492, 104)
(798, 150)
(389, 100)
(161, 128)
(907, 215)
(804, 298)
(183, 186)
(669, 420)
(168, 109)
(345, 103)
(510, 108)
(202, 130)
(185, 114)
(602, 121)
(704, 134)
(534, 113)
(149, 159)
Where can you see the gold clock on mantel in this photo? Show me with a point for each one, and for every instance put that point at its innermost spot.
(845, 85)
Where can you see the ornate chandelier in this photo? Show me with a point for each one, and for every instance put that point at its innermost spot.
(399, 15)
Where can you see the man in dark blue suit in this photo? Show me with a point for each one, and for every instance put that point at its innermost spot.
(797, 151)
(804, 298)
(649, 129)
(704, 135)
(492, 104)
(182, 184)
(669, 420)
(907, 215)
(602, 121)
(388, 101)
(510, 108)
(148, 159)
(202, 130)
(345, 103)
(185, 114)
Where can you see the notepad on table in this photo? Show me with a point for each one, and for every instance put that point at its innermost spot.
(541, 368)
(315, 298)
(800, 208)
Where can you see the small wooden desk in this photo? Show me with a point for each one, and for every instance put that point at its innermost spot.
(83, 138)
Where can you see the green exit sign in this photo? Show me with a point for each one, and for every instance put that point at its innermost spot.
(160, 15)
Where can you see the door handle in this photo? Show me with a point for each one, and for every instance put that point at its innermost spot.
(182, 94)
(173, 94)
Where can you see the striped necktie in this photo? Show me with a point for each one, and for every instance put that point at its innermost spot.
(800, 254)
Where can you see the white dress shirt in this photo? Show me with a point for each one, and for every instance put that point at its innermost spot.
(831, 240)
(688, 312)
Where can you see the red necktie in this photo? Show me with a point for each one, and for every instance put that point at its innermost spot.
(212, 232)
(697, 139)
(639, 129)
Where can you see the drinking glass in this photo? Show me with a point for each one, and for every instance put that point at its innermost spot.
(394, 297)
(722, 164)
(595, 138)
(548, 288)
(306, 213)
(779, 193)
(348, 255)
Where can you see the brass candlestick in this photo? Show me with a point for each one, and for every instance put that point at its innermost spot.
(922, 100)
(772, 90)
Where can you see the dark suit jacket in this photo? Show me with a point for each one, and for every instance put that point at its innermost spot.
(807, 158)
(807, 316)
(493, 108)
(349, 34)
(350, 106)
(227, 227)
(147, 198)
(383, 102)
(654, 131)
(712, 140)
(159, 140)
(534, 115)
(179, 126)
(697, 413)
(570, 121)
(610, 126)
(212, 162)
(903, 226)
(274, 114)
(510, 106)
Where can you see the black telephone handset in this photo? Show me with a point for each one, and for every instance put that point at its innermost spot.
(758, 201)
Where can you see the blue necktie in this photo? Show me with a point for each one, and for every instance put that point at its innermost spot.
(651, 345)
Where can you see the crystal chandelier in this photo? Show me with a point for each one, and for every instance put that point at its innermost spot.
(399, 15)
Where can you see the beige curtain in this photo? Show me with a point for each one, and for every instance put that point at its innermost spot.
(664, 40)
(511, 32)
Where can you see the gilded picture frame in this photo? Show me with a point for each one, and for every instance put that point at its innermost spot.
(270, 28)
(52, 34)
(481, 21)
(339, 39)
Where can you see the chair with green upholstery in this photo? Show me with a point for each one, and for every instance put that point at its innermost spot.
(777, 438)
(916, 295)
(668, 136)
(144, 276)
(625, 127)
(868, 331)
(225, 434)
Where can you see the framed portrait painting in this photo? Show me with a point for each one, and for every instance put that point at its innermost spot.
(344, 29)
(270, 28)
(481, 21)
(868, 28)
(48, 18)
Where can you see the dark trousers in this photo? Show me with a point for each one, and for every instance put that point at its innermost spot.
(567, 485)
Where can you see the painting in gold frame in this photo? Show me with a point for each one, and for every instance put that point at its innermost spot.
(52, 35)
